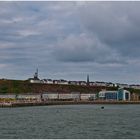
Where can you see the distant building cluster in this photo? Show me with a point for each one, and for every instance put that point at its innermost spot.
(122, 94)
(118, 95)
(36, 79)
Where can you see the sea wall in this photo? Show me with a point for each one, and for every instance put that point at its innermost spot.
(24, 104)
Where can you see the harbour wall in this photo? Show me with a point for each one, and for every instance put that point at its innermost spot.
(48, 103)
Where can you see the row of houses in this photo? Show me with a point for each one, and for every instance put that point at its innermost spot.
(65, 82)
(135, 86)
(35, 79)
(96, 83)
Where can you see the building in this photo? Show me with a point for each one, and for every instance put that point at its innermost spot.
(123, 94)
(100, 83)
(49, 81)
(63, 82)
(108, 95)
(135, 86)
(29, 97)
(7, 96)
(110, 84)
(55, 81)
(82, 83)
(50, 96)
(120, 95)
(92, 83)
(135, 97)
(35, 79)
(111, 95)
(101, 95)
(122, 85)
(73, 82)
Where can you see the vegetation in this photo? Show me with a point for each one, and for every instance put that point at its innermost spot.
(133, 90)
(18, 86)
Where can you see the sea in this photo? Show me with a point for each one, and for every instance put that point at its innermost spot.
(71, 122)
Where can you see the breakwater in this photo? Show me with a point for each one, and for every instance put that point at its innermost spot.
(47, 103)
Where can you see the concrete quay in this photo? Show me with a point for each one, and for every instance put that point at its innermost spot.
(47, 103)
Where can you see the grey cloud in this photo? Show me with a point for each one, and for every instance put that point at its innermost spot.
(85, 48)
(115, 24)
(70, 39)
(116, 27)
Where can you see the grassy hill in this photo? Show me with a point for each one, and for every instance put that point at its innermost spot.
(19, 86)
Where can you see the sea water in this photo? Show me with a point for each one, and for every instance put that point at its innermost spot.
(71, 122)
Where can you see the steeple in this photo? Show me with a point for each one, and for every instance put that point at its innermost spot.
(87, 80)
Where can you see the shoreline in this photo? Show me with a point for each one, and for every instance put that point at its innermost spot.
(48, 103)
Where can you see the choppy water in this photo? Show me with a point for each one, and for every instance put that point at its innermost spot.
(71, 121)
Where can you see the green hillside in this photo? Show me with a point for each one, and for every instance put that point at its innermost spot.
(19, 86)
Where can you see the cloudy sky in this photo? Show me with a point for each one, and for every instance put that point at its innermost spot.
(68, 40)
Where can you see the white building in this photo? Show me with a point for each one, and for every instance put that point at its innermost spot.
(50, 96)
(7, 96)
(83, 83)
(29, 97)
(35, 79)
(100, 83)
(63, 82)
(102, 94)
(49, 81)
(73, 82)
(123, 85)
(135, 86)
(87, 96)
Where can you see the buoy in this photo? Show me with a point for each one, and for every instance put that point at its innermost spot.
(102, 107)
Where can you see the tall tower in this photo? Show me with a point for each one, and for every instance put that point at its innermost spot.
(36, 74)
(87, 80)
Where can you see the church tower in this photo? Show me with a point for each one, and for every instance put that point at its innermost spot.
(87, 80)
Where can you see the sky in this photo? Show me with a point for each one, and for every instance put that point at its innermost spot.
(68, 40)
